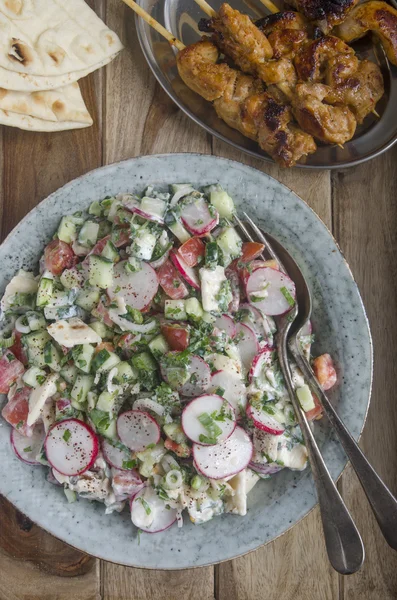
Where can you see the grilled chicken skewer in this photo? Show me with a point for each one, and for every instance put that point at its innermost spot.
(324, 13)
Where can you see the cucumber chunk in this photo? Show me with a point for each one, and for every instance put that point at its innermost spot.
(100, 271)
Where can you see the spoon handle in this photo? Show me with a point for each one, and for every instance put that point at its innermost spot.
(344, 545)
(382, 501)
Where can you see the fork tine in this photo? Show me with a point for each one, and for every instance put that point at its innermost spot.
(243, 228)
(262, 238)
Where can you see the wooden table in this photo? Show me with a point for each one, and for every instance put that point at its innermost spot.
(133, 116)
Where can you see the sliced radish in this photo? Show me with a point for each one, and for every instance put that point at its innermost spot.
(156, 264)
(197, 217)
(137, 289)
(261, 360)
(207, 405)
(247, 344)
(257, 321)
(271, 291)
(126, 484)
(225, 459)
(233, 387)
(306, 329)
(27, 448)
(265, 469)
(226, 323)
(152, 209)
(137, 430)
(188, 273)
(199, 378)
(71, 447)
(114, 456)
(150, 513)
(262, 420)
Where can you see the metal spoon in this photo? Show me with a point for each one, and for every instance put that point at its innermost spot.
(382, 501)
(344, 544)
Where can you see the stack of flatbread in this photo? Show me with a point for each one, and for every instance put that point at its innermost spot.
(46, 46)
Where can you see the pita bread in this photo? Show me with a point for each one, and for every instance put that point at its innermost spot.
(52, 110)
(30, 83)
(53, 37)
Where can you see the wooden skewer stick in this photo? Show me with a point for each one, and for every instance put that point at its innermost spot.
(205, 7)
(153, 23)
(270, 6)
(376, 113)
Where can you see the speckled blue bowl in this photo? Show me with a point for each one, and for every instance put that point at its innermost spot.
(341, 329)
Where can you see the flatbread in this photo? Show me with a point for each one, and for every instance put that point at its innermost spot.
(52, 110)
(23, 82)
(53, 37)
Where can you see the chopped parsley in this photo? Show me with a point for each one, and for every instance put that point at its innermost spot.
(67, 435)
(129, 464)
(145, 505)
(28, 449)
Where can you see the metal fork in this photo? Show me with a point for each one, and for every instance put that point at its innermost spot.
(344, 544)
(382, 501)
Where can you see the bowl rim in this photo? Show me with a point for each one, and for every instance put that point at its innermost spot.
(366, 321)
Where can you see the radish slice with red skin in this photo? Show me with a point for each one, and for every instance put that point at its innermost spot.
(137, 430)
(188, 273)
(262, 420)
(114, 456)
(273, 282)
(201, 373)
(27, 448)
(234, 389)
(191, 425)
(197, 218)
(247, 344)
(226, 323)
(138, 289)
(225, 459)
(259, 322)
(141, 213)
(265, 469)
(71, 447)
(159, 518)
(156, 264)
(264, 358)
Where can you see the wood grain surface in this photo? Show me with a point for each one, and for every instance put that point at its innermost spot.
(134, 116)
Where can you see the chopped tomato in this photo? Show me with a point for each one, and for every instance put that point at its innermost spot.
(104, 346)
(181, 450)
(16, 411)
(177, 336)
(10, 369)
(250, 251)
(99, 246)
(192, 250)
(171, 281)
(59, 256)
(316, 412)
(17, 348)
(103, 314)
(324, 370)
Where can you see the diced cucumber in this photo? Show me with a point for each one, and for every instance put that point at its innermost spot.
(52, 357)
(81, 387)
(125, 373)
(72, 278)
(103, 424)
(61, 298)
(88, 234)
(106, 402)
(158, 346)
(305, 398)
(69, 373)
(71, 496)
(179, 231)
(222, 201)
(82, 356)
(114, 207)
(92, 398)
(143, 244)
(175, 309)
(230, 243)
(45, 291)
(110, 252)
(102, 330)
(175, 433)
(100, 271)
(34, 377)
(179, 190)
(133, 265)
(54, 313)
(67, 229)
(104, 361)
(35, 343)
(153, 206)
(193, 308)
(208, 317)
(144, 361)
(88, 299)
(95, 209)
(36, 321)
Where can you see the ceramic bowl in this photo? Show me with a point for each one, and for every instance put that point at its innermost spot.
(339, 322)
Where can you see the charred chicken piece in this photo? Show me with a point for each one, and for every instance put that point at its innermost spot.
(378, 17)
(325, 13)
(312, 108)
(197, 66)
(318, 56)
(286, 32)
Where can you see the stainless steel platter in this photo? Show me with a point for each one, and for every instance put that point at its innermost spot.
(181, 18)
